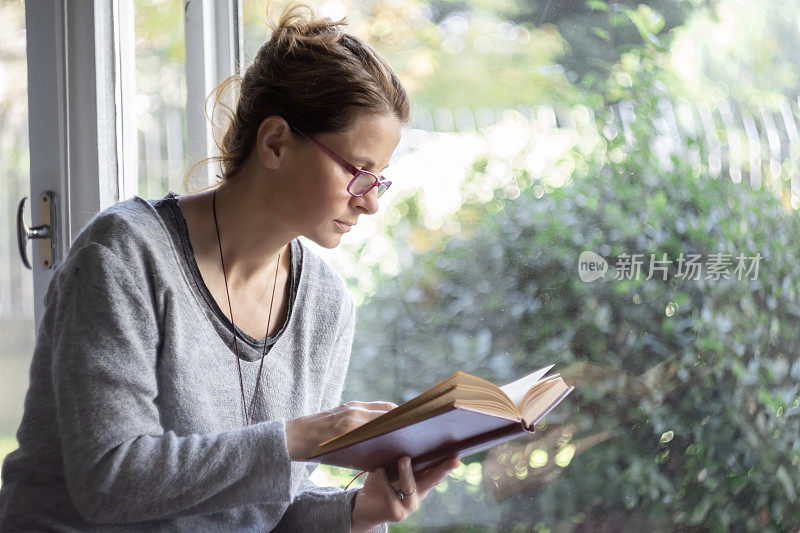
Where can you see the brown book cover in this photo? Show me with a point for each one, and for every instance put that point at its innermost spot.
(457, 417)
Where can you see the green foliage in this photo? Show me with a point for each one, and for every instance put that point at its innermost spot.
(522, 57)
(473, 59)
(741, 51)
(692, 383)
(596, 32)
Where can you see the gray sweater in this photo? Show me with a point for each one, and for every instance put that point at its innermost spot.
(133, 420)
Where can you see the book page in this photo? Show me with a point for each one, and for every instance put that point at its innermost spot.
(516, 389)
(538, 405)
(545, 402)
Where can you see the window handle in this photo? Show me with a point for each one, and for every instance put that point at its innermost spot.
(44, 231)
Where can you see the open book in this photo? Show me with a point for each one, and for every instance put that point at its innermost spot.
(457, 417)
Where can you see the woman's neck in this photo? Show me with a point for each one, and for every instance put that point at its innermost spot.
(251, 235)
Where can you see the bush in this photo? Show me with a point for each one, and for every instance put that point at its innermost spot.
(688, 387)
(686, 409)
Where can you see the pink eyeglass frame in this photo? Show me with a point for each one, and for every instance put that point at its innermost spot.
(351, 168)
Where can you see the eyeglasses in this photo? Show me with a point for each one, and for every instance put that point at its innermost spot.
(363, 181)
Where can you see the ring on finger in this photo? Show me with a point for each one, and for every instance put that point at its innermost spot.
(402, 494)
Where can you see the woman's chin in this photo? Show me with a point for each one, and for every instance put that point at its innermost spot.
(329, 241)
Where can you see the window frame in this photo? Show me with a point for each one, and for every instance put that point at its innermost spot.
(81, 105)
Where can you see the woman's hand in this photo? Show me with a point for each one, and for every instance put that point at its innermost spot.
(378, 502)
(304, 434)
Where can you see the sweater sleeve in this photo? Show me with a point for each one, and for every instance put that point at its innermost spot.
(327, 508)
(120, 465)
(320, 509)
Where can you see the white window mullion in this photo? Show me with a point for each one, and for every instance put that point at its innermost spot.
(125, 94)
(213, 52)
(229, 38)
(47, 129)
(92, 171)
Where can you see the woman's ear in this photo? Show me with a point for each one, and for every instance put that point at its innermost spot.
(273, 139)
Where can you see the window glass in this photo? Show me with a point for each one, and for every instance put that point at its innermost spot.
(16, 282)
(610, 187)
(160, 96)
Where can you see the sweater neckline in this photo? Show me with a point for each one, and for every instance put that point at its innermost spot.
(295, 279)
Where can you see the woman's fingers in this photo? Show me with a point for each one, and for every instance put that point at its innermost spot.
(408, 485)
(396, 510)
(361, 412)
(381, 501)
(304, 434)
(429, 478)
(351, 415)
(369, 406)
(383, 482)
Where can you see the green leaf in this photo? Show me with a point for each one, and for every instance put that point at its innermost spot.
(598, 5)
(603, 34)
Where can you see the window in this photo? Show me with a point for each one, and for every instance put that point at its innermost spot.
(610, 187)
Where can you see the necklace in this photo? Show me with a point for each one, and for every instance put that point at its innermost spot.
(248, 415)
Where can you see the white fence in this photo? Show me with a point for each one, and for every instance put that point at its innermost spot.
(762, 149)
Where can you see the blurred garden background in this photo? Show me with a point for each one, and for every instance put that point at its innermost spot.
(542, 129)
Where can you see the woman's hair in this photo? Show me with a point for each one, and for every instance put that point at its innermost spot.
(311, 73)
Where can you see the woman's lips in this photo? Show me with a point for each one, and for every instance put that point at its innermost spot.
(343, 226)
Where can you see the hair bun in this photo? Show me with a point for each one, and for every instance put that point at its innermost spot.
(300, 19)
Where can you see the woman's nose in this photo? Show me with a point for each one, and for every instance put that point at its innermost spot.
(369, 202)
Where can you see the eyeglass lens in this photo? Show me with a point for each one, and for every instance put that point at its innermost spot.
(364, 182)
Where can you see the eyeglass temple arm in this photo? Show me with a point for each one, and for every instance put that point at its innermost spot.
(350, 168)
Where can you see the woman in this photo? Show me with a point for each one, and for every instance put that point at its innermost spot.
(145, 411)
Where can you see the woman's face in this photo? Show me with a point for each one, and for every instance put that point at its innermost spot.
(322, 209)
